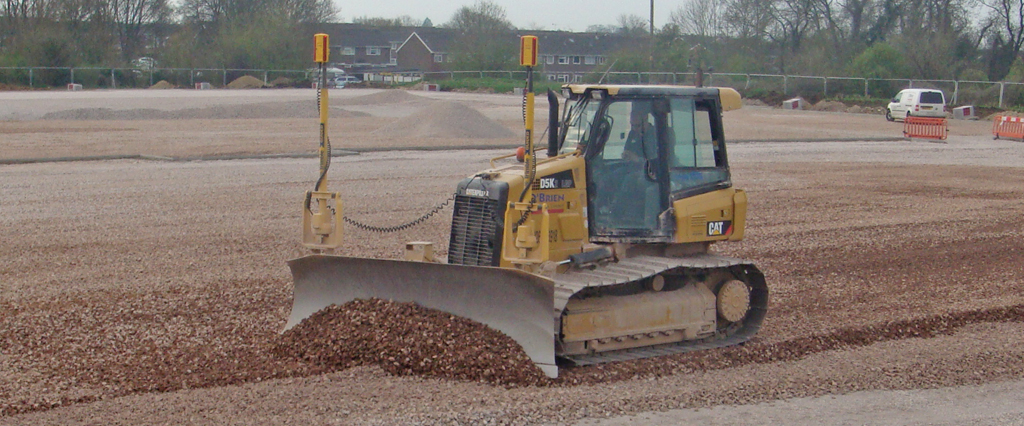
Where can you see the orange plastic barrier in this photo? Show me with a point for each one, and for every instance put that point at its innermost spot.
(1008, 127)
(925, 127)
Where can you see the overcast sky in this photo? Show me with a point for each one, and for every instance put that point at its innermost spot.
(573, 15)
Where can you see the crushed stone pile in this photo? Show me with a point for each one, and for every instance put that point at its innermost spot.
(446, 120)
(162, 84)
(408, 339)
(383, 98)
(246, 82)
(296, 109)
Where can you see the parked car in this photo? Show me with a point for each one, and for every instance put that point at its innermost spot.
(344, 80)
(917, 102)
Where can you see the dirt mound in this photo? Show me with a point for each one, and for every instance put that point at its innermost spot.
(446, 120)
(384, 97)
(296, 109)
(162, 84)
(281, 82)
(246, 82)
(407, 339)
(831, 106)
(11, 87)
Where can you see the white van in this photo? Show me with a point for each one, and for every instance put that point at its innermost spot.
(917, 102)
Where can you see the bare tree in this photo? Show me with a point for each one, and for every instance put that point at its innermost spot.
(748, 19)
(1007, 17)
(131, 19)
(699, 17)
(632, 25)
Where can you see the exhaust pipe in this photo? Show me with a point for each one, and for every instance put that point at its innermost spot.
(553, 126)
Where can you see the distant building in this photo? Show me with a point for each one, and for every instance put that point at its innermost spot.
(384, 53)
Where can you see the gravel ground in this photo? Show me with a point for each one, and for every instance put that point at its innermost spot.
(139, 292)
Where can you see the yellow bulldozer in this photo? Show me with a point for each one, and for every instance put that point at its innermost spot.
(598, 253)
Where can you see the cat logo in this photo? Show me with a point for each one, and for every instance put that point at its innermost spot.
(717, 229)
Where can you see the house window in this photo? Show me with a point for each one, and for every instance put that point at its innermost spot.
(395, 45)
(563, 78)
(550, 59)
(349, 51)
(373, 51)
(601, 60)
(576, 60)
(589, 60)
(562, 60)
(552, 77)
(394, 61)
(576, 78)
(438, 58)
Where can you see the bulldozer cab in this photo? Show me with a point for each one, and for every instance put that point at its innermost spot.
(646, 147)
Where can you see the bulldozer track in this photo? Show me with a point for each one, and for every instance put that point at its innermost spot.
(641, 267)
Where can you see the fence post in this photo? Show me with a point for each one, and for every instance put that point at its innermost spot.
(785, 84)
(825, 89)
(865, 87)
(151, 76)
(911, 83)
(747, 85)
(639, 78)
(956, 90)
(192, 78)
(73, 80)
(264, 77)
(113, 82)
(30, 77)
(1002, 86)
(225, 78)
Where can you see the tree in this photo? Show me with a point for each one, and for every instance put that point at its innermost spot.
(131, 19)
(246, 33)
(427, 23)
(1007, 18)
(632, 25)
(485, 39)
(698, 17)
(401, 21)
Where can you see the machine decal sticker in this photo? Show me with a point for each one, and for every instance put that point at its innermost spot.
(549, 198)
(719, 228)
(560, 180)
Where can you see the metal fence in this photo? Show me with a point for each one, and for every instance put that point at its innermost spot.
(116, 78)
(959, 92)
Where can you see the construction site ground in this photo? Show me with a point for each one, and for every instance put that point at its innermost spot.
(144, 290)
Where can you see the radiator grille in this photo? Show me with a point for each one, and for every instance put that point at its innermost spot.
(475, 238)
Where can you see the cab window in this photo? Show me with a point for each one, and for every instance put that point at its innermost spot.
(696, 159)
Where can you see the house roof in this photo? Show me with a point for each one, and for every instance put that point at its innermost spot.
(438, 40)
(358, 35)
(564, 43)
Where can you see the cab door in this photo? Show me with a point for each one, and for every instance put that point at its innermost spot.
(627, 174)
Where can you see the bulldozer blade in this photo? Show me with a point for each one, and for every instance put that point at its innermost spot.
(517, 303)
